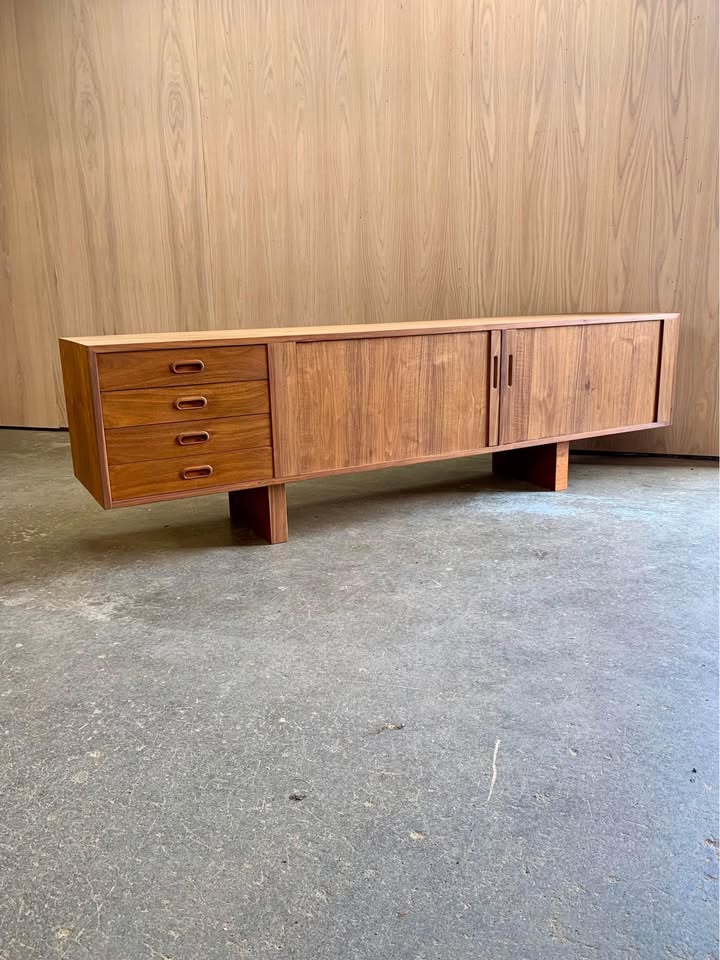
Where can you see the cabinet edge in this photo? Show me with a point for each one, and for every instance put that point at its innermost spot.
(669, 342)
(87, 440)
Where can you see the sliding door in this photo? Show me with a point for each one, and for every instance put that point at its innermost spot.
(381, 400)
(584, 379)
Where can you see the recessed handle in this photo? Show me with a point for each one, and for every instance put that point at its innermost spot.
(510, 370)
(189, 438)
(191, 403)
(197, 473)
(187, 366)
(495, 372)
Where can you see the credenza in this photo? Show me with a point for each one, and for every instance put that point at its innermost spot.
(159, 417)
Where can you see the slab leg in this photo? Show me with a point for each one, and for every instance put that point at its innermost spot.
(546, 466)
(263, 509)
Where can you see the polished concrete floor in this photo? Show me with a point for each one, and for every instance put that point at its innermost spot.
(453, 718)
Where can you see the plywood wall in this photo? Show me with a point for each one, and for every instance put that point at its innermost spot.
(166, 164)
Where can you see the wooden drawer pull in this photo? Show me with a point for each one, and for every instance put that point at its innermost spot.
(187, 439)
(187, 366)
(191, 403)
(196, 473)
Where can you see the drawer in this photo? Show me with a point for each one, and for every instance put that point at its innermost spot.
(185, 365)
(197, 438)
(128, 408)
(152, 478)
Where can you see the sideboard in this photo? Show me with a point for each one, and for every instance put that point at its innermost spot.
(165, 416)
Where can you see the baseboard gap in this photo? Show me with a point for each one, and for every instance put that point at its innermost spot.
(645, 456)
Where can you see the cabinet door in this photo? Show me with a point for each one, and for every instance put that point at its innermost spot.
(561, 381)
(387, 399)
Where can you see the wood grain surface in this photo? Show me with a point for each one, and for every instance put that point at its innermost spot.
(192, 472)
(568, 380)
(165, 368)
(161, 441)
(134, 342)
(82, 397)
(383, 400)
(127, 408)
(172, 165)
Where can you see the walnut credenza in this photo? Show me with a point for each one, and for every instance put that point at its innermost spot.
(158, 417)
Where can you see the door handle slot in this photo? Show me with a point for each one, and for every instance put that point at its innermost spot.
(190, 438)
(187, 366)
(190, 403)
(197, 473)
(495, 372)
(510, 370)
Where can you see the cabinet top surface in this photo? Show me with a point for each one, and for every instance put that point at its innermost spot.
(148, 341)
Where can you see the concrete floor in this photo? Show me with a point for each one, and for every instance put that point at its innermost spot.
(499, 706)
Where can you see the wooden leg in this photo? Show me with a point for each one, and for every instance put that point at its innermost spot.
(545, 466)
(263, 509)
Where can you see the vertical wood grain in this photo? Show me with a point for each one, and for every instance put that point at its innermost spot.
(188, 164)
(559, 381)
(494, 387)
(377, 400)
(27, 323)
(282, 374)
(110, 96)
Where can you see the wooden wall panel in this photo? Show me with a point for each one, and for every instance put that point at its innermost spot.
(185, 164)
(28, 390)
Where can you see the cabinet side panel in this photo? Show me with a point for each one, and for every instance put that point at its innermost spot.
(382, 400)
(86, 438)
(668, 365)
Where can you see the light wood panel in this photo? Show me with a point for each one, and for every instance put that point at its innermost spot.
(153, 341)
(170, 164)
(569, 380)
(381, 400)
(28, 389)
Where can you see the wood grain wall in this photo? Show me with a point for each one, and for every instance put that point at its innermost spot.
(170, 164)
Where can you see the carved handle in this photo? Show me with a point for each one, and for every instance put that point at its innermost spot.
(187, 366)
(187, 439)
(190, 403)
(510, 370)
(196, 473)
(495, 373)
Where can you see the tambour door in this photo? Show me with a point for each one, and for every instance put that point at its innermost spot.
(360, 402)
(583, 379)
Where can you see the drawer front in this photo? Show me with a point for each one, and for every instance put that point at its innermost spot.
(128, 408)
(195, 438)
(192, 472)
(187, 365)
